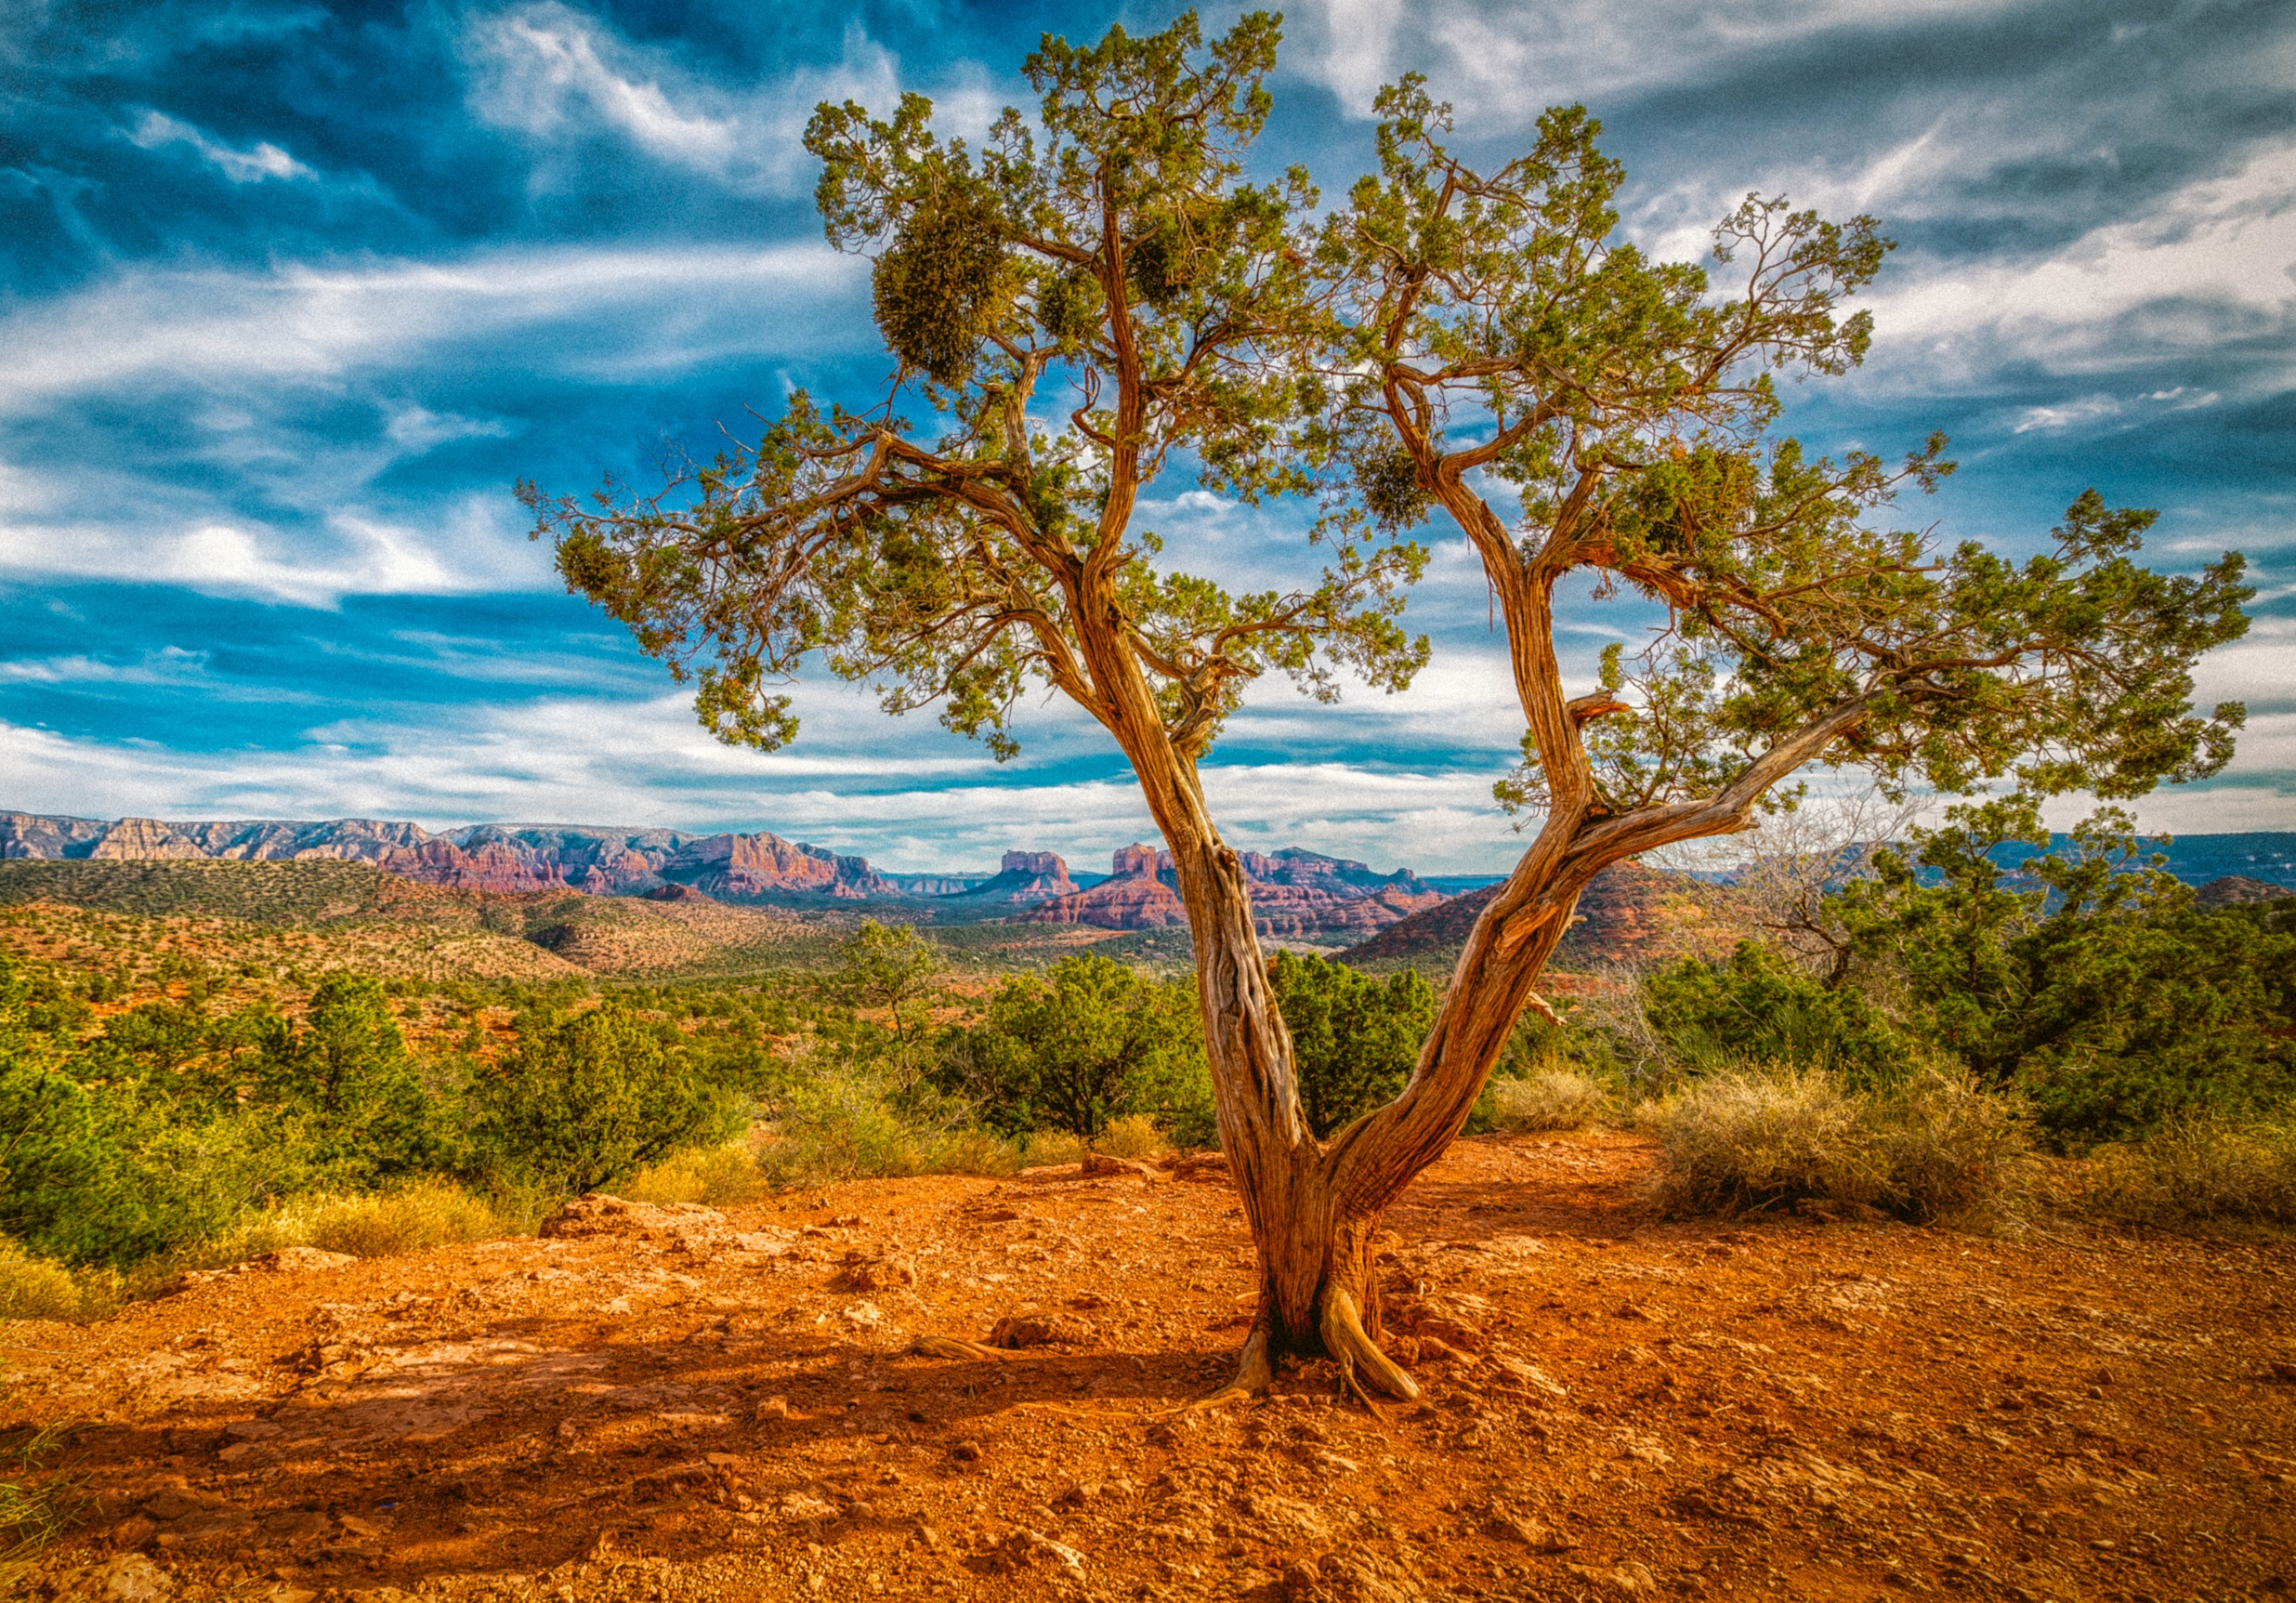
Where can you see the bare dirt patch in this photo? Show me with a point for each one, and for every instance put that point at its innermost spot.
(682, 1407)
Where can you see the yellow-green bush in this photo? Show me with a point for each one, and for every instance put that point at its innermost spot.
(2199, 1169)
(1550, 1098)
(1937, 1147)
(33, 1288)
(413, 1218)
(717, 1176)
(1134, 1136)
(975, 1152)
(1747, 1140)
(1044, 1147)
(1955, 1149)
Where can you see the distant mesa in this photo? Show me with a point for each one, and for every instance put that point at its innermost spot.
(673, 893)
(1295, 894)
(2232, 889)
(1629, 913)
(1026, 877)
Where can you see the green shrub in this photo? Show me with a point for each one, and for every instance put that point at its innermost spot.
(586, 1102)
(1760, 1006)
(1091, 1042)
(838, 1123)
(1549, 1098)
(1354, 1039)
(2129, 1020)
(2199, 1168)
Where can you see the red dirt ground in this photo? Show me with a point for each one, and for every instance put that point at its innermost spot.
(721, 1407)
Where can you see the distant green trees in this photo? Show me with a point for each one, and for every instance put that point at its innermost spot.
(588, 1101)
(1090, 1042)
(2087, 982)
(1354, 1039)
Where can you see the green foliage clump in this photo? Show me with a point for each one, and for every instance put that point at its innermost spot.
(1354, 1039)
(587, 1101)
(2121, 1007)
(1090, 1042)
(891, 969)
(2124, 1022)
(1761, 1006)
(943, 286)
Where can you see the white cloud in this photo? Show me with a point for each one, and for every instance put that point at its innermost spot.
(1504, 62)
(617, 315)
(905, 793)
(168, 665)
(2207, 266)
(557, 76)
(420, 430)
(470, 549)
(259, 162)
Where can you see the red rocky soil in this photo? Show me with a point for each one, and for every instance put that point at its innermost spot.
(685, 1404)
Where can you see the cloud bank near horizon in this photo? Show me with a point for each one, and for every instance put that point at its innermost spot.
(293, 296)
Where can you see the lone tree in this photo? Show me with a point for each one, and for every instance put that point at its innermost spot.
(1090, 302)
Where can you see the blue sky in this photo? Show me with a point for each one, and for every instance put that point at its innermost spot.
(293, 293)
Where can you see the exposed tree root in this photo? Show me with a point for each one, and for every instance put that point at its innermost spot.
(1344, 1340)
(1254, 1372)
(953, 1346)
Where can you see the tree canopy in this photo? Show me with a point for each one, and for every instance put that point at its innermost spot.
(1110, 292)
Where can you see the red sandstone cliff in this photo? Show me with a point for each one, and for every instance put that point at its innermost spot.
(1295, 894)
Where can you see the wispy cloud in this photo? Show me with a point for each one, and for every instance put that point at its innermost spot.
(155, 130)
(560, 78)
(615, 315)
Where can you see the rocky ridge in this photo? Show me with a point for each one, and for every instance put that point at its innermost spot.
(1629, 914)
(1295, 894)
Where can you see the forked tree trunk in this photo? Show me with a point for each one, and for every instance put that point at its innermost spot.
(1314, 1208)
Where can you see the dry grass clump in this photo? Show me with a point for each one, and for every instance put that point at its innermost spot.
(1043, 1149)
(1939, 1148)
(1746, 1140)
(720, 1176)
(975, 1152)
(1134, 1136)
(37, 1504)
(1550, 1098)
(1955, 1150)
(33, 1288)
(2199, 1169)
(414, 1218)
